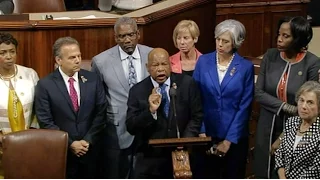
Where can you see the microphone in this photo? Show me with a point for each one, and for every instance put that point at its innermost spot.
(173, 95)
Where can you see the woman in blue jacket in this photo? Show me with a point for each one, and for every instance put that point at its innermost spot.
(226, 81)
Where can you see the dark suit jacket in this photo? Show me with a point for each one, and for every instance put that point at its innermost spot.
(54, 109)
(141, 123)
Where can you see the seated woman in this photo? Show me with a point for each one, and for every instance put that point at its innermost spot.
(185, 35)
(298, 156)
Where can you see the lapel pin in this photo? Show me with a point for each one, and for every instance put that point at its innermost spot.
(83, 79)
(300, 73)
(233, 70)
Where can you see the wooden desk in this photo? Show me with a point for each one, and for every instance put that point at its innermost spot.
(156, 24)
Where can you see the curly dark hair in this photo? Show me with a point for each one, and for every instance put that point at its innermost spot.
(7, 38)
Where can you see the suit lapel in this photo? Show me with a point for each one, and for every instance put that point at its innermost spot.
(214, 74)
(117, 66)
(231, 72)
(62, 87)
(83, 90)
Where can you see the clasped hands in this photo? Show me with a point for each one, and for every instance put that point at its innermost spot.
(154, 100)
(79, 148)
(220, 149)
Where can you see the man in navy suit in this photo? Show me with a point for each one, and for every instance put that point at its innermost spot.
(73, 100)
(150, 115)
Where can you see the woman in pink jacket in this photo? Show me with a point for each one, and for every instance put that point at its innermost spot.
(185, 35)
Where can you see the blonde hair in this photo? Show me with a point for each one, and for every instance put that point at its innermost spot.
(184, 25)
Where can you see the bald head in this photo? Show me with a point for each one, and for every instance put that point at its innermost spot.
(159, 65)
(156, 52)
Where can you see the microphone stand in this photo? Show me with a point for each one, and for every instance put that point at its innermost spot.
(173, 94)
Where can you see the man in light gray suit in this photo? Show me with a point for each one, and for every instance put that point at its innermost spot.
(120, 67)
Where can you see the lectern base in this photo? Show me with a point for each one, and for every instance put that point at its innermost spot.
(181, 164)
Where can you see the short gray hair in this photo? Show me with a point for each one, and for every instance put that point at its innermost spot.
(236, 28)
(125, 20)
(61, 42)
(310, 86)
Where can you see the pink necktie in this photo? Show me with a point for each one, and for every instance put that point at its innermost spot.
(73, 94)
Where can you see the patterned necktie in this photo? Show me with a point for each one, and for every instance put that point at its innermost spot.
(132, 72)
(73, 94)
(164, 99)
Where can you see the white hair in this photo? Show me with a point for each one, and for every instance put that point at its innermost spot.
(236, 29)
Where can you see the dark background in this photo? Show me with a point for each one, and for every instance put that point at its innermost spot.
(314, 12)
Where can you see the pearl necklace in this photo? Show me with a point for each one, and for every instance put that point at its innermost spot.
(15, 96)
(223, 68)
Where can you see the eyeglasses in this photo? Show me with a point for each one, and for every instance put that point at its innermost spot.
(131, 36)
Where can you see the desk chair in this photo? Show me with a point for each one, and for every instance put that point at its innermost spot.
(37, 6)
(35, 154)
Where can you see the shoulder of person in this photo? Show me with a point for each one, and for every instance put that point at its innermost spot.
(140, 86)
(85, 73)
(245, 61)
(175, 61)
(271, 52)
(207, 56)
(144, 47)
(175, 56)
(312, 57)
(47, 79)
(27, 71)
(101, 57)
(292, 122)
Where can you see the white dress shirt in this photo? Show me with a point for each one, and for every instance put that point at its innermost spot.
(75, 84)
(136, 63)
(155, 84)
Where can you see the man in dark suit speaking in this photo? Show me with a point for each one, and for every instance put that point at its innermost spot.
(73, 100)
(150, 114)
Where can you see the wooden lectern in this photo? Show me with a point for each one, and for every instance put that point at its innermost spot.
(180, 156)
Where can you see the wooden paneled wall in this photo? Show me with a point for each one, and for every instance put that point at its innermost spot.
(260, 17)
(96, 35)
